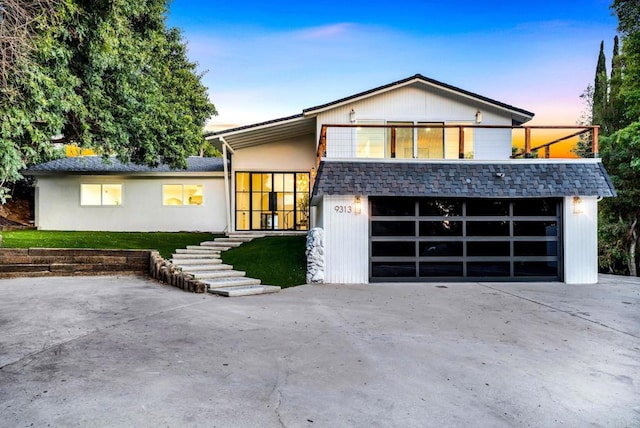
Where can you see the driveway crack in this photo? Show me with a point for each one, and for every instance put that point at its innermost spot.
(568, 312)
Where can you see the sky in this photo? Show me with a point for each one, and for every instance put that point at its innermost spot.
(265, 60)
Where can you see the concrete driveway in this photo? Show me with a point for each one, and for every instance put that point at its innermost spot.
(126, 351)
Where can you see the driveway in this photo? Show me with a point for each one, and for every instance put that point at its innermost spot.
(126, 351)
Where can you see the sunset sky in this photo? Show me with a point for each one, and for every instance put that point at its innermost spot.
(266, 60)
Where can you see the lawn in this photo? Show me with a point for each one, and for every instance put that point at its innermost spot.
(164, 242)
(276, 260)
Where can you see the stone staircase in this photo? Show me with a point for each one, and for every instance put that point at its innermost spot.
(203, 262)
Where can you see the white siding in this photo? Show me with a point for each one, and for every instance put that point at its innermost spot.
(581, 242)
(346, 241)
(416, 104)
(58, 206)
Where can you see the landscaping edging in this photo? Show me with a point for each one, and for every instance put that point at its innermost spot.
(164, 271)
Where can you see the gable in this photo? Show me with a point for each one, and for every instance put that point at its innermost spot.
(432, 91)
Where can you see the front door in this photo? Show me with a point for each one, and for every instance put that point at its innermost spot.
(272, 200)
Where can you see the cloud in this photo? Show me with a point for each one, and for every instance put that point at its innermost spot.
(326, 31)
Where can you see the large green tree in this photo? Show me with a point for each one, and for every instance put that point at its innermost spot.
(619, 217)
(107, 75)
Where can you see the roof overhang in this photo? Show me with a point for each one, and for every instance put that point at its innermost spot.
(264, 133)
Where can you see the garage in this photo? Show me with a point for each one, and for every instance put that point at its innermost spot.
(465, 239)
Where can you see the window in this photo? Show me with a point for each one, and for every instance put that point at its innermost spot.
(100, 194)
(182, 194)
(272, 201)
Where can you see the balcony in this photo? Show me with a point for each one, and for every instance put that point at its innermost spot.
(438, 141)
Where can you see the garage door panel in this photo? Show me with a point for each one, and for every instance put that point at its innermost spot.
(461, 239)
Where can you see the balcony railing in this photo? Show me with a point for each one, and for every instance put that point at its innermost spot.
(452, 141)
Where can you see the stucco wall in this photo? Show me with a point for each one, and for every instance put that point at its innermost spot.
(346, 240)
(58, 202)
(581, 241)
(290, 155)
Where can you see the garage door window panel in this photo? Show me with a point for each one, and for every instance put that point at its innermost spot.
(441, 228)
(465, 238)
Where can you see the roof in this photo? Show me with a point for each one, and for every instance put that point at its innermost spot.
(526, 115)
(304, 124)
(99, 165)
(527, 179)
(264, 132)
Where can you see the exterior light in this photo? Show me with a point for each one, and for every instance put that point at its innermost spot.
(352, 116)
(578, 207)
(478, 116)
(358, 205)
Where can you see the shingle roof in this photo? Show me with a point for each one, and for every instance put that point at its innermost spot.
(463, 179)
(97, 165)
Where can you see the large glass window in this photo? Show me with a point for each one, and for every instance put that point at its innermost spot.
(181, 194)
(272, 201)
(400, 141)
(370, 141)
(100, 194)
(431, 141)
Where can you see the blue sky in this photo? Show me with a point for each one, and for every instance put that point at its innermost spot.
(266, 60)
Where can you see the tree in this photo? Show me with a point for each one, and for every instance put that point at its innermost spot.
(108, 76)
(619, 229)
(600, 88)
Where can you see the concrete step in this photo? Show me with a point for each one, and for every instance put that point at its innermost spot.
(197, 250)
(236, 235)
(250, 290)
(231, 241)
(230, 282)
(237, 239)
(212, 268)
(200, 268)
(215, 249)
(193, 256)
(227, 273)
(202, 261)
(216, 244)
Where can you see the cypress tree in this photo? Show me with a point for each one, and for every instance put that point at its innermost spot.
(615, 117)
(600, 89)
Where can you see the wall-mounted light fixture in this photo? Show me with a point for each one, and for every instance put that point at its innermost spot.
(578, 206)
(478, 116)
(352, 116)
(358, 205)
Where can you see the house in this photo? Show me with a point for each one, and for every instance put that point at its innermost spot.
(87, 193)
(416, 180)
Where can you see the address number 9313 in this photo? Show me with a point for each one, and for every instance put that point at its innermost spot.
(343, 209)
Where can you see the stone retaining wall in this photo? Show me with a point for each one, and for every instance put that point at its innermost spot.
(33, 262)
(67, 262)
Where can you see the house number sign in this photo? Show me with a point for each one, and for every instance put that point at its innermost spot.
(343, 209)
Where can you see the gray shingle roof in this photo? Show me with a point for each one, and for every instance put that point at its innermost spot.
(97, 165)
(463, 179)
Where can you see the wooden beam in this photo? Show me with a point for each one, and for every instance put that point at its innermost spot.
(594, 137)
(460, 142)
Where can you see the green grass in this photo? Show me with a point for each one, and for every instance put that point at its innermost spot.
(276, 260)
(164, 242)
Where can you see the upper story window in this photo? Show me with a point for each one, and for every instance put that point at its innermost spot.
(100, 194)
(182, 194)
(402, 140)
